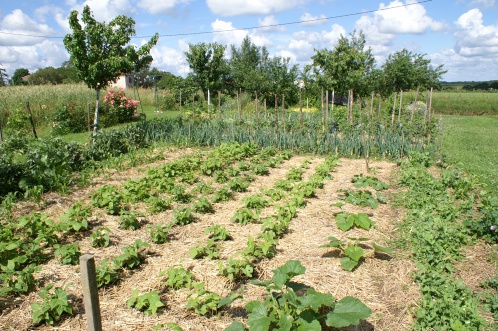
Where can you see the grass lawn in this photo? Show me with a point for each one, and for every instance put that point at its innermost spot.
(472, 141)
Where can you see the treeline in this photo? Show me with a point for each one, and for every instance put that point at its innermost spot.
(485, 86)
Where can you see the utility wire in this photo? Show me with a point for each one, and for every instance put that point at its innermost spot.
(246, 28)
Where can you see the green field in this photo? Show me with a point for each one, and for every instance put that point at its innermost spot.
(472, 142)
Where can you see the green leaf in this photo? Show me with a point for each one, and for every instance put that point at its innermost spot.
(174, 326)
(258, 320)
(235, 326)
(315, 300)
(306, 326)
(348, 264)
(378, 248)
(363, 221)
(348, 311)
(333, 242)
(345, 221)
(286, 272)
(354, 252)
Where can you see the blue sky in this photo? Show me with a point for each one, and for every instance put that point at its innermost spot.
(460, 34)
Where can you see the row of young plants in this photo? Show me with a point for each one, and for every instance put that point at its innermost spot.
(353, 249)
(28, 241)
(445, 214)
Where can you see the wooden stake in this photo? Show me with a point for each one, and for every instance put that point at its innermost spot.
(90, 293)
(394, 108)
(326, 105)
(31, 120)
(400, 105)
(276, 112)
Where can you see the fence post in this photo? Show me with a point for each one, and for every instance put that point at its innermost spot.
(90, 293)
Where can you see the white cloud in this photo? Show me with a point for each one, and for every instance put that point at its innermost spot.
(270, 24)
(20, 30)
(465, 68)
(161, 7)
(483, 3)
(106, 10)
(230, 36)
(309, 20)
(474, 38)
(400, 19)
(253, 7)
(379, 42)
(169, 59)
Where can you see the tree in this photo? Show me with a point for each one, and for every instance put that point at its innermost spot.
(48, 75)
(100, 53)
(208, 65)
(400, 71)
(4, 78)
(347, 66)
(18, 75)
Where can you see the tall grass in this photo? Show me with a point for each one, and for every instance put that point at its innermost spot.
(45, 100)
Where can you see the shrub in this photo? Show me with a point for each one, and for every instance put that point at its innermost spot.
(68, 119)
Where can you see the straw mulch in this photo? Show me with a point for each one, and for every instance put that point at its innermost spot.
(384, 284)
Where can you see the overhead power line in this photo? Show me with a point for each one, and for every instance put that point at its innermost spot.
(246, 28)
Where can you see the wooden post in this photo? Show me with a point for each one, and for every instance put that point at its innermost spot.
(332, 106)
(31, 120)
(90, 293)
(301, 106)
(372, 106)
(323, 113)
(219, 103)
(276, 112)
(180, 103)
(88, 119)
(430, 105)
(426, 105)
(257, 102)
(400, 105)
(283, 110)
(394, 108)
(239, 106)
(266, 109)
(379, 109)
(326, 105)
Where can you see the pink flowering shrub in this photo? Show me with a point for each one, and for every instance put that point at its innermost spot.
(119, 107)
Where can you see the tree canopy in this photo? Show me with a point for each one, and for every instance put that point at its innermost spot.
(18, 75)
(101, 52)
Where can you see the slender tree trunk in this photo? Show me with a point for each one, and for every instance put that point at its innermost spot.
(209, 99)
(97, 107)
(400, 105)
(394, 108)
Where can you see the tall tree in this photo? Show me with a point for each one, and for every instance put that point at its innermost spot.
(18, 75)
(4, 78)
(400, 71)
(208, 64)
(347, 65)
(101, 52)
(48, 75)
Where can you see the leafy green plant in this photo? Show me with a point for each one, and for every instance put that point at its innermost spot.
(285, 185)
(147, 302)
(75, 218)
(256, 201)
(210, 250)
(183, 216)
(129, 221)
(275, 194)
(106, 273)
(260, 170)
(179, 194)
(132, 255)
(305, 189)
(68, 254)
(295, 175)
(295, 306)
(264, 246)
(53, 306)
(223, 194)
(245, 216)
(157, 205)
(179, 278)
(346, 221)
(159, 233)
(236, 270)
(365, 181)
(220, 177)
(218, 233)
(353, 251)
(275, 227)
(238, 185)
(202, 205)
(17, 280)
(109, 198)
(100, 237)
(362, 198)
(205, 302)
(36, 228)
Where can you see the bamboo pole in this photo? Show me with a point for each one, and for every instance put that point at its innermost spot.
(333, 100)
(430, 104)
(327, 105)
(276, 113)
(301, 106)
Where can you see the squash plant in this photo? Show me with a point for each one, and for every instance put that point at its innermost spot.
(295, 306)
